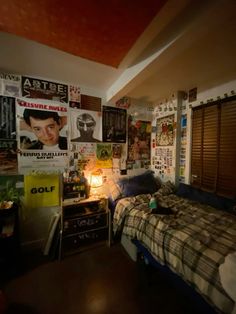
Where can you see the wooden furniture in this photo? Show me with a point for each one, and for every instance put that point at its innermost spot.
(83, 223)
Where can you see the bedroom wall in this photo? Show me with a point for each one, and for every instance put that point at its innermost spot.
(35, 221)
(173, 162)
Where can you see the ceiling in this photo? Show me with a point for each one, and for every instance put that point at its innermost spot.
(145, 49)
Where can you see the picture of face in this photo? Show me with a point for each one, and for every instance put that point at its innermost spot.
(47, 131)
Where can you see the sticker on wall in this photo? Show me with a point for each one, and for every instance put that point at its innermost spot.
(42, 89)
(85, 126)
(165, 131)
(41, 190)
(10, 85)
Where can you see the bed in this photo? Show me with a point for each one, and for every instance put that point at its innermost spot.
(192, 239)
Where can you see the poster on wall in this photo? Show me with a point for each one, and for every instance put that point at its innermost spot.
(85, 126)
(42, 135)
(74, 96)
(41, 190)
(114, 124)
(139, 139)
(10, 85)
(7, 118)
(84, 156)
(8, 157)
(104, 156)
(42, 89)
(165, 131)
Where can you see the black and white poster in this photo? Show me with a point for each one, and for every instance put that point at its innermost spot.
(42, 89)
(114, 125)
(10, 85)
(85, 126)
(7, 118)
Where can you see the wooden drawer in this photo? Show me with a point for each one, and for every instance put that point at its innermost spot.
(74, 242)
(85, 223)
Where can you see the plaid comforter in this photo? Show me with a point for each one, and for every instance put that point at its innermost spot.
(193, 242)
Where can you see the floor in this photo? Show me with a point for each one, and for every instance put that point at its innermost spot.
(101, 280)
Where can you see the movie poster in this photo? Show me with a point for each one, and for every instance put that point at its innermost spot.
(104, 156)
(42, 135)
(85, 126)
(42, 89)
(10, 85)
(165, 131)
(114, 125)
(139, 140)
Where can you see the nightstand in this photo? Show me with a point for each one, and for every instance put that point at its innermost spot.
(84, 223)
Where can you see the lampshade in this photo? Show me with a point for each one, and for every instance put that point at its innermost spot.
(96, 179)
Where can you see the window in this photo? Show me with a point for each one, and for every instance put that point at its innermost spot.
(213, 155)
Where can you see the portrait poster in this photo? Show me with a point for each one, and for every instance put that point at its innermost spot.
(165, 131)
(8, 157)
(139, 139)
(42, 89)
(43, 143)
(10, 85)
(104, 156)
(85, 126)
(7, 118)
(114, 124)
(41, 190)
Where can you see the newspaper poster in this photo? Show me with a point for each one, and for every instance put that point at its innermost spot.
(114, 125)
(7, 118)
(42, 135)
(104, 156)
(10, 85)
(8, 157)
(42, 89)
(139, 139)
(165, 131)
(85, 126)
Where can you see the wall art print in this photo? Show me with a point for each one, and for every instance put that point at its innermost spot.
(165, 131)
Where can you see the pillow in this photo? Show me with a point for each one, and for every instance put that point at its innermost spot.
(114, 190)
(166, 189)
(141, 184)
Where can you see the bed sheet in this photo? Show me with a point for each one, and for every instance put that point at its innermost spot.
(193, 242)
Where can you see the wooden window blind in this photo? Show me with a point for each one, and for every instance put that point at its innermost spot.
(213, 154)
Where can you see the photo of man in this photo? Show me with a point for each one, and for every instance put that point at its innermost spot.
(88, 125)
(46, 126)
